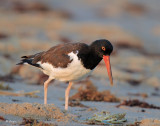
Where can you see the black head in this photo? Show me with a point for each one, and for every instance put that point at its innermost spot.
(102, 47)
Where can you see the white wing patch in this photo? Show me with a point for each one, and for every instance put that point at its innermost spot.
(73, 72)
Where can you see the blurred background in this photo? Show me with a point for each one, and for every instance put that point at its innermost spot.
(133, 26)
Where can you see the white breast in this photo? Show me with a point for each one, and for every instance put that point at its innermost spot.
(73, 72)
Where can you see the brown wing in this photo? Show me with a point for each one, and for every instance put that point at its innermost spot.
(58, 55)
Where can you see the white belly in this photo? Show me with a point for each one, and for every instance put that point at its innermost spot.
(73, 72)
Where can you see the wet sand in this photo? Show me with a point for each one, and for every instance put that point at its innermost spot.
(31, 27)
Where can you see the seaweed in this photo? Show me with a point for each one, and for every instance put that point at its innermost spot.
(90, 93)
(136, 102)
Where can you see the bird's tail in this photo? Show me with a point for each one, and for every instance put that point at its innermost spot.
(31, 60)
(25, 60)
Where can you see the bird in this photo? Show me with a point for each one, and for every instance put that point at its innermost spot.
(70, 62)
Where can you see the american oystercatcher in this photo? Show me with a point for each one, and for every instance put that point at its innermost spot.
(70, 62)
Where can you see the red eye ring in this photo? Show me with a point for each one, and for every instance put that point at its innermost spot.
(103, 48)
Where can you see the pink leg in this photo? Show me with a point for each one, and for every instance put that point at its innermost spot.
(67, 95)
(46, 83)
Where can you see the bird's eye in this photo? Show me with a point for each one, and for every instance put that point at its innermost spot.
(103, 48)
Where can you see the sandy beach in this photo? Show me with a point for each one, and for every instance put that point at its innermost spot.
(133, 27)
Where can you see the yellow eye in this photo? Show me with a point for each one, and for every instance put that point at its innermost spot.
(103, 48)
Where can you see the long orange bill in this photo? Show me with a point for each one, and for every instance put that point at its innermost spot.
(107, 62)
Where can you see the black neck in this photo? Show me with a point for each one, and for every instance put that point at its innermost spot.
(91, 60)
